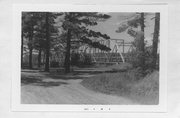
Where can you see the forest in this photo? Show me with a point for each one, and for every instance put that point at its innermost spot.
(45, 33)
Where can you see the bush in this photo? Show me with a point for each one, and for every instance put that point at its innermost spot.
(82, 59)
(134, 57)
(86, 59)
(54, 64)
(75, 59)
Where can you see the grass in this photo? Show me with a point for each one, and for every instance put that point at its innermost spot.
(127, 84)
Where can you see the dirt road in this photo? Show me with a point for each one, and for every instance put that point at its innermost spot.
(47, 90)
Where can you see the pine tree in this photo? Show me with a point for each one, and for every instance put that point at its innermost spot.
(22, 37)
(136, 22)
(142, 46)
(39, 36)
(76, 25)
(45, 31)
(47, 42)
(51, 32)
(155, 39)
(28, 23)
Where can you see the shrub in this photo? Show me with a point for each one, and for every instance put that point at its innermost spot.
(87, 60)
(54, 64)
(134, 57)
(82, 59)
(75, 59)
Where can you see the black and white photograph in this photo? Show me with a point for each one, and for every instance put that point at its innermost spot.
(90, 58)
(93, 60)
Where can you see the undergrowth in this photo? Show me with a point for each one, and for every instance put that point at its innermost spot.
(143, 90)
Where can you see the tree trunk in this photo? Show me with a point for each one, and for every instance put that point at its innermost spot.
(44, 56)
(142, 57)
(155, 39)
(30, 54)
(22, 48)
(39, 58)
(68, 48)
(30, 58)
(142, 22)
(30, 47)
(47, 43)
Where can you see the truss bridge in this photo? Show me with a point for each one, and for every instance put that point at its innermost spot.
(117, 55)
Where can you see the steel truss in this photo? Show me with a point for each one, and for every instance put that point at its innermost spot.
(116, 55)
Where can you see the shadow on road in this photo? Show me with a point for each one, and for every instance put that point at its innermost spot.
(36, 81)
(49, 79)
(64, 77)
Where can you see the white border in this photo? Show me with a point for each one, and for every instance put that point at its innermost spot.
(18, 8)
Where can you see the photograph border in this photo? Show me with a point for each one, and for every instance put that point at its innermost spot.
(16, 81)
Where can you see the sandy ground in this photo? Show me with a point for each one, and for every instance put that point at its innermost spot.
(48, 90)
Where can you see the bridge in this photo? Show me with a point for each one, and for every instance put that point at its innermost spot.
(119, 49)
(117, 55)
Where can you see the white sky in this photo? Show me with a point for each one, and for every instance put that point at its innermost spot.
(111, 25)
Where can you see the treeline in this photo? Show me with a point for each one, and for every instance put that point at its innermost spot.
(46, 31)
(143, 57)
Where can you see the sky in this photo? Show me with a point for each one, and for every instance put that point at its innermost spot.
(110, 26)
